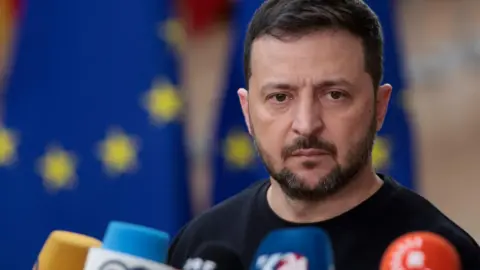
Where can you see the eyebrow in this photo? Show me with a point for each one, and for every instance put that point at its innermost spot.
(333, 82)
(276, 85)
(317, 85)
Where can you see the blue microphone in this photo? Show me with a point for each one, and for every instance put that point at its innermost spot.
(130, 247)
(300, 248)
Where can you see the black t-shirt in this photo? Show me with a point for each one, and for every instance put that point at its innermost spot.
(359, 237)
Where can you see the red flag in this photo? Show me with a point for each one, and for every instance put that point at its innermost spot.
(201, 14)
(9, 13)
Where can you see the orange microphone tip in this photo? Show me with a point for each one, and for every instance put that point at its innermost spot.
(65, 250)
(420, 250)
(76, 238)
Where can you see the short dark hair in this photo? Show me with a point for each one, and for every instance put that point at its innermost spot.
(284, 19)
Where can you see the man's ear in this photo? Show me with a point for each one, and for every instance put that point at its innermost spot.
(243, 97)
(384, 93)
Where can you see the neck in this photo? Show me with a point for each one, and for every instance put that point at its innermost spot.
(360, 189)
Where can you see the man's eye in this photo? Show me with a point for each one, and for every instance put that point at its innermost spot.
(280, 97)
(336, 95)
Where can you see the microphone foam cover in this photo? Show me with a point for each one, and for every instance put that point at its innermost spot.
(307, 247)
(65, 250)
(136, 240)
(420, 250)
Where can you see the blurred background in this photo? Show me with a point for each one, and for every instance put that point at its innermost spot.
(127, 110)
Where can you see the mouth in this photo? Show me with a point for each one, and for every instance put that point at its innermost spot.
(309, 153)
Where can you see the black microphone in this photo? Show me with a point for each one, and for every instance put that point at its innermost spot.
(214, 256)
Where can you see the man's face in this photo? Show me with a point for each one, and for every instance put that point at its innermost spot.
(312, 111)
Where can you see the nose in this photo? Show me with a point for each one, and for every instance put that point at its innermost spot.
(308, 119)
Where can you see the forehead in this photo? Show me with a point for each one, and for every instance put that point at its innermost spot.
(317, 55)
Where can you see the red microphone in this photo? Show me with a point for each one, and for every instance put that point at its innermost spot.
(420, 251)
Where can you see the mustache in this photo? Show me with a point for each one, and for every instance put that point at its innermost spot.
(311, 142)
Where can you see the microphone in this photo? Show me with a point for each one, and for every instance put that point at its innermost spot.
(65, 250)
(214, 256)
(129, 247)
(420, 251)
(294, 248)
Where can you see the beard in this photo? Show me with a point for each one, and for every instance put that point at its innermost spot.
(338, 178)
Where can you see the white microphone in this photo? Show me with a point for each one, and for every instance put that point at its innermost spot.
(129, 247)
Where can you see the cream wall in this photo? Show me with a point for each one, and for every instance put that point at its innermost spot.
(443, 66)
(441, 40)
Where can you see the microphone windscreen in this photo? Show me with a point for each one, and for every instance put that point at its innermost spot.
(420, 250)
(136, 240)
(65, 250)
(214, 256)
(294, 248)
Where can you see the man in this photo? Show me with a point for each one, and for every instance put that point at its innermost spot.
(313, 104)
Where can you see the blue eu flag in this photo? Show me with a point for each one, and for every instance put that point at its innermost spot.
(393, 152)
(237, 164)
(92, 128)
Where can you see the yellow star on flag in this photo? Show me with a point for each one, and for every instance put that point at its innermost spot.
(173, 32)
(118, 152)
(162, 102)
(381, 153)
(58, 168)
(239, 150)
(8, 146)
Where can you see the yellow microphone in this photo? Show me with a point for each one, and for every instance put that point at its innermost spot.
(65, 250)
